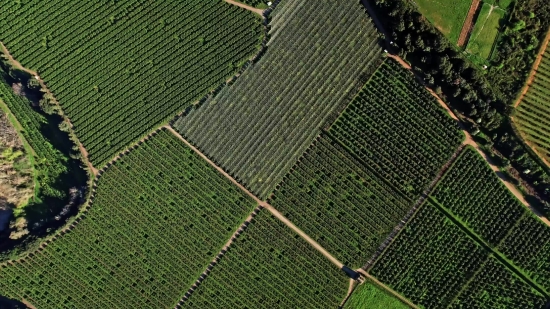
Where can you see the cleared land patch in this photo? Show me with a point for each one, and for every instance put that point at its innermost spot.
(532, 116)
(159, 216)
(485, 31)
(432, 262)
(381, 127)
(119, 68)
(269, 266)
(342, 206)
(370, 296)
(257, 128)
(447, 16)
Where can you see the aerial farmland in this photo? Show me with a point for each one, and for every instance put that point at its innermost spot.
(274, 154)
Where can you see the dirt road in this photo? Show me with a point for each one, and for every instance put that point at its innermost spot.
(246, 7)
(536, 64)
(45, 88)
(470, 141)
(276, 213)
(468, 23)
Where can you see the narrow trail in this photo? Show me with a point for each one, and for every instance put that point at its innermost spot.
(264, 204)
(246, 7)
(218, 257)
(45, 88)
(387, 288)
(468, 23)
(351, 288)
(469, 140)
(534, 69)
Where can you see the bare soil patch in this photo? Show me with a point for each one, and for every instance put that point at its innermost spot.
(468, 23)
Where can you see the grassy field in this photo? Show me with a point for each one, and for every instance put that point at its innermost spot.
(447, 16)
(532, 116)
(258, 127)
(268, 267)
(485, 32)
(120, 68)
(370, 296)
(159, 216)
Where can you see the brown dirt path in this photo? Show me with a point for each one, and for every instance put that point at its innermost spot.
(470, 141)
(45, 88)
(387, 288)
(246, 7)
(536, 64)
(468, 23)
(264, 204)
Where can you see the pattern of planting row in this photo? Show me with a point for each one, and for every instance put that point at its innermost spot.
(269, 266)
(52, 147)
(396, 127)
(119, 68)
(436, 265)
(494, 286)
(257, 128)
(472, 192)
(532, 115)
(159, 216)
(430, 260)
(528, 246)
(345, 208)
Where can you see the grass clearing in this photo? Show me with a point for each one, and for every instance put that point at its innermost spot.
(369, 296)
(446, 15)
(485, 32)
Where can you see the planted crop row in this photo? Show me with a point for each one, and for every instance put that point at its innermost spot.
(396, 127)
(437, 265)
(430, 261)
(532, 115)
(474, 194)
(269, 266)
(118, 68)
(345, 208)
(159, 216)
(257, 128)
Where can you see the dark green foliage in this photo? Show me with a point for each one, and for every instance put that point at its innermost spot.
(497, 288)
(472, 192)
(159, 216)
(119, 68)
(256, 3)
(397, 128)
(269, 266)
(528, 246)
(430, 261)
(339, 203)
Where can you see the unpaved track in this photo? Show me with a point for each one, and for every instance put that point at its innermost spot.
(536, 64)
(387, 288)
(468, 23)
(271, 209)
(470, 141)
(246, 7)
(45, 88)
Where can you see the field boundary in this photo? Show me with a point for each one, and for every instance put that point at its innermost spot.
(246, 7)
(242, 228)
(387, 288)
(534, 69)
(469, 23)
